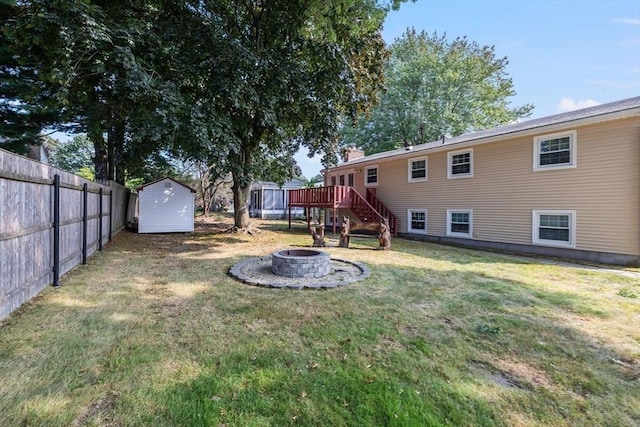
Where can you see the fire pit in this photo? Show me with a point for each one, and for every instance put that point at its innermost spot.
(301, 263)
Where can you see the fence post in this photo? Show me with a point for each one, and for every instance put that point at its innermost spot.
(84, 222)
(56, 230)
(100, 220)
(110, 212)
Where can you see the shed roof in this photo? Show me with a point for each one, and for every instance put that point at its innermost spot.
(294, 183)
(614, 110)
(162, 179)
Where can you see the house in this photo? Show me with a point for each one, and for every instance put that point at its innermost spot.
(566, 185)
(270, 200)
(165, 206)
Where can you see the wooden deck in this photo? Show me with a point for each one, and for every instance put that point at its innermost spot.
(367, 209)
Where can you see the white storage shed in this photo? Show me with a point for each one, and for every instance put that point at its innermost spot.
(165, 206)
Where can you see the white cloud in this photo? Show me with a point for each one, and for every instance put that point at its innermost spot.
(630, 21)
(568, 104)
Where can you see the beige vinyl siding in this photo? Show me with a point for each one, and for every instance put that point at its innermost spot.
(604, 188)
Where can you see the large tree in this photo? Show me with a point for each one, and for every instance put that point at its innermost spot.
(436, 87)
(238, 83)
(285, 72)
(98, 63)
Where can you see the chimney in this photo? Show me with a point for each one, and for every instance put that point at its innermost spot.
(351, 153)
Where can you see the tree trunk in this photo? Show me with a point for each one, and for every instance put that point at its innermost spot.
(117, 152)
(206, 200)
(99, 159)
(240, 197)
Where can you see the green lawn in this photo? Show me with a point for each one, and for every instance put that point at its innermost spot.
(155, 332)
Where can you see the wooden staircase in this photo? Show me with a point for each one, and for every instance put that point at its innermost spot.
(368, 209)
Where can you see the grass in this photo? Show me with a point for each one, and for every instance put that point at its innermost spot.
(154, 332)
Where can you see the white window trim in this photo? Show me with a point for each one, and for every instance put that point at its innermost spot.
(468, 235)
(572, 134)
(418, 231)
(535, 225)
(366, 173)
(450, 155)
(426, 169)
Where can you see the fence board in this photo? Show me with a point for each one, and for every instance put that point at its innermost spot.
(26, 225)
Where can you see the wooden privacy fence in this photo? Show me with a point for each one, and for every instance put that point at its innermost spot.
(50, 221)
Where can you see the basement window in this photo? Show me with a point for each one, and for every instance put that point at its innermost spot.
(554, 228)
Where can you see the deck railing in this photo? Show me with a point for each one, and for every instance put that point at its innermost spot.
(382, 209)
(340, 196)
(334, 195)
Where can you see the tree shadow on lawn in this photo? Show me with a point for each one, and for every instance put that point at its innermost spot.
(478, 348)
(502, 330)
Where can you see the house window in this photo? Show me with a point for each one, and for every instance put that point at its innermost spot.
(417, 221)
(460, 164)
(371, 176)
(341, 179)
(418, 169)
(459, 222)
(554, 228)
(333, 180)
(555, 151)
(350, 180)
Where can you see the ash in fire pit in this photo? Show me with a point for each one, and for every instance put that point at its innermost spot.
(301, 263)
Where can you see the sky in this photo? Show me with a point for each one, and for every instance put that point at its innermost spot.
(563, 54)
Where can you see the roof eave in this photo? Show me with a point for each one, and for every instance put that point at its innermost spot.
(534, 130)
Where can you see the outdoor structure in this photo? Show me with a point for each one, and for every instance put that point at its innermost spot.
(269, 200)
(566, 185)
(368, 209)
(165, 206)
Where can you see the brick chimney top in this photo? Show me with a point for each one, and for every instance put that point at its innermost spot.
(351, 153)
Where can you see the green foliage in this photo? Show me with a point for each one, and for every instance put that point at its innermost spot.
(436, 87)
(232, 83)
(134, 183)
(24, 108)
(99, 65)
(627, 293)
(284, 73)
(73, 155)
(86, 173)
(488, 329)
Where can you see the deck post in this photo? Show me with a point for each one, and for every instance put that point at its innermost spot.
(289, 217)
(334, 215)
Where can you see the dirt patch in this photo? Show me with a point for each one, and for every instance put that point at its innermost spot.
(524, 371)
(97, 410)
(493, 375)
(390, 343)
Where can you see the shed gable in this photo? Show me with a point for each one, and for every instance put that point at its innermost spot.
(165, 206)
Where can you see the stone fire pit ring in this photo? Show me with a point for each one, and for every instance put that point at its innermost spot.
(259, 271)
(300, 263)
